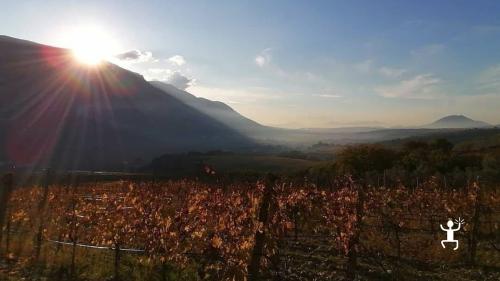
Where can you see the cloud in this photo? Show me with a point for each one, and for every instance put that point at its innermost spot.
(264, 58)
(135, 56)
(160, 74)
(174, 78)
(260, 60)
(391, 72)
(368, 67)
(489, 79)
(177, 60)
(364, 66)
(180, 81)
(330, 96)
(419, 87)
(428, 50)
(265, 61)
(252, 95)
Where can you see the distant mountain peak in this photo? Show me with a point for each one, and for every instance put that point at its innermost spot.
(456, 121)
(457, 117)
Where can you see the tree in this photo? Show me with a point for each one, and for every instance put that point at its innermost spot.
(360, 159)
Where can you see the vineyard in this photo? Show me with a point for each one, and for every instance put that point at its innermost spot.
(268, 230)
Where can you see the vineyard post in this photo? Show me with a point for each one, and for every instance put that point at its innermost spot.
(397, 230)
(41, 212)
(352, 255)
(472, 237)
(117, 262)
(433, 226)
(7, 237)
(295, 223)
(260, 235)
(7, 186)
(73, 230)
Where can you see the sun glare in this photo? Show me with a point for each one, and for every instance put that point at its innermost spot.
(90, 44)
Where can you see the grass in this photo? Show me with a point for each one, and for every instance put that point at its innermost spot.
(257, 163)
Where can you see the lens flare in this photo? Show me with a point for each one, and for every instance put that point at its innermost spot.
(90, 44)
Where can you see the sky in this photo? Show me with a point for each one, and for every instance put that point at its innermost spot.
(298, 63)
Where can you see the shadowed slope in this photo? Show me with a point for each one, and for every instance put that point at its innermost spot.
(219, 111)
(54, 109)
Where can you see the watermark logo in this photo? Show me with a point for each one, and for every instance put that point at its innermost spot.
(450, 232)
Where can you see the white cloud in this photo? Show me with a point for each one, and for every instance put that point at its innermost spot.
(180, 81)
(177, 60)
(364, 66)
(330, 96)
(135, 56)
(369, 66)
(237, 95)
(264, 58)
(174, 78)
(160, 74)
(419, 87)
(391, 72)
(260, 60)
(489, 79)
(428, 50)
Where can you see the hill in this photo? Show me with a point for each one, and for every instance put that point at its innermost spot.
(57, 112)
(462, 139)
(217, 110)
(456, 121)
(228, 116)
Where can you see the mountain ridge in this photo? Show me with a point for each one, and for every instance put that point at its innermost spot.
(457, 122)
(55, 110)
(216, 109)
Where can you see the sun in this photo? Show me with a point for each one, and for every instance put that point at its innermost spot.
(90, 44)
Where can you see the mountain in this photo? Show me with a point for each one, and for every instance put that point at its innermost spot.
(257, 132)
(264, 134)
(217, 110)
(55, 111)
(456, 121)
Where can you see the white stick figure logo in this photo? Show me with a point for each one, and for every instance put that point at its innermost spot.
(450, 232)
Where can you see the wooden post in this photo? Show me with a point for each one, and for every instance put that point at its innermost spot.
(397, 230)
(472, 239)
(352, 255)
(73, 262)
(260, 236)
(41, 212)
(117, 262)
(7, 238)
(5, 191)
(74, 232)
